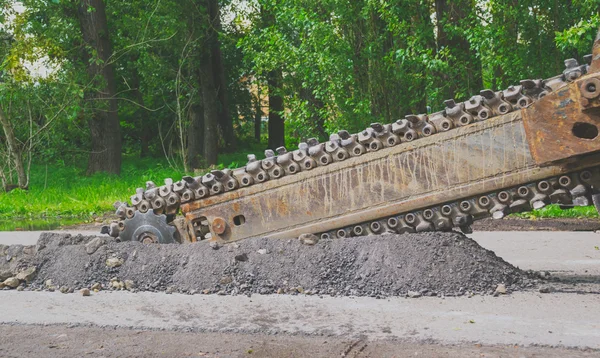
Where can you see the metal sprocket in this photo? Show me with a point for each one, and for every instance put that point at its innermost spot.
(148, 228)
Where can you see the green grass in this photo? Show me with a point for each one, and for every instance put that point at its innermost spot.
(553, 211)
(65, 191)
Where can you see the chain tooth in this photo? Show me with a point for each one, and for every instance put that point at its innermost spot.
(580, 194)
(159, 204)
(342, 233)
(393, 223)
(573, 70)
(276, 172)
(376, 227)
(368, 140)
(173, 202)
(559, 195)
(422, 225)
(417, 120)
(151, 193)
(167, 188)
(478, 209)
(428, 130)
(179, 186)
(186, 196)
(286, 161)
(301, 157)
(317, 151)
(403, 128)
(440, 122)
(335, 149)
(210, 181)
(325, 236)
(462, 216)
(137, 197)
(190, 182)
(200, 190)
(350, 143)
(120, 211)
(495, 101)
(243, 178)
(129, 212)
(254, 168)
(114, 229)
(404, 226)
(516, 203)
(456, 112)
(477, 108)
(143, 206)
(440, 221)
(269, 160)
(358, 230)
(534, 88)
(498, 209)
(385, 134)
(226, 179)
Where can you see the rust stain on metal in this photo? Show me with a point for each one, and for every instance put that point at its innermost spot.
(468, 161)
(219, 225)
(236, 207)
(552, 123)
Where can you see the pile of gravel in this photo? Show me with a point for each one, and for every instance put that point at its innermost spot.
(388, 265)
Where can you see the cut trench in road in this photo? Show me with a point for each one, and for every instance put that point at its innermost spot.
(523, 318)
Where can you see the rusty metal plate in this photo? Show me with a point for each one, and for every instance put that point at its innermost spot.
(562, 124)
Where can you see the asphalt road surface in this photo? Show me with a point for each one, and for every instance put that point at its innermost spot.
(524, 324)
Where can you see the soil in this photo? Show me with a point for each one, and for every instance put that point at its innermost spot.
(515, 224)
(63, 342)
(442, 264)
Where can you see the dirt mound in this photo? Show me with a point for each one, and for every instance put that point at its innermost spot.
(427, 264)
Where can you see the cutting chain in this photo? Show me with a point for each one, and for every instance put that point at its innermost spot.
(578, 188)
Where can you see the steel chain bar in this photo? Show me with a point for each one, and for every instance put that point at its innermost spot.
(167, 198)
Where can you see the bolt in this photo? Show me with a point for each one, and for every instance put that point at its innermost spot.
(219, 226)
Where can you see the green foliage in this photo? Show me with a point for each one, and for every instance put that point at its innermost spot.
(579, 36)
(345, 64)
(64, 190)
(554, 211)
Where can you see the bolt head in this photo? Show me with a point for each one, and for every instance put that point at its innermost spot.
(219, 225)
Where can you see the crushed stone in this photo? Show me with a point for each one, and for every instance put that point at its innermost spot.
(424, 264)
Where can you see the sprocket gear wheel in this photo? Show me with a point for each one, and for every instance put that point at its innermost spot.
(148, 228)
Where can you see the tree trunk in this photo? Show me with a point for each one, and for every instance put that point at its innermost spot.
(195, 134)
(315, 107)
(14, 151)
(145, 138)
(225, 120)
(258, 113)
(103, 117)
(211, 110)
(276, 125)
(140, 116)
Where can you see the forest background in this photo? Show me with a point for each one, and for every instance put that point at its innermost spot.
(97, 97)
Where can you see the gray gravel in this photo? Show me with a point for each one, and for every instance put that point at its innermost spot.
(416, 265)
